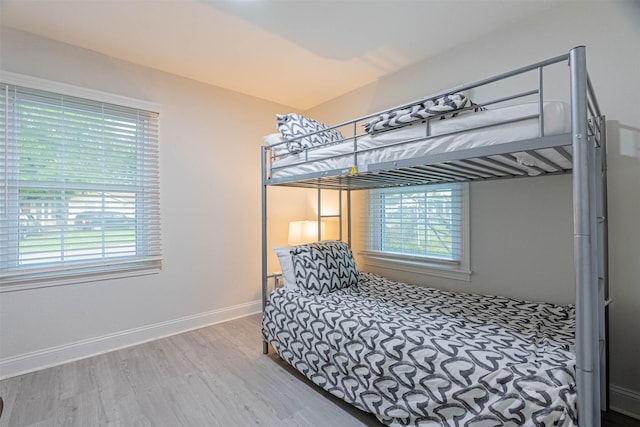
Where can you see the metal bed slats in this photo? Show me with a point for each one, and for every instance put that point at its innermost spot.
(481, 166)
(544, 160)
(441, 167)
(563, 153)
(465, 170)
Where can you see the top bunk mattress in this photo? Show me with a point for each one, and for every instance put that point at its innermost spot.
(489, 127)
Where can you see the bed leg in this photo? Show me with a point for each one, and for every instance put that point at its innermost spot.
(265, 347)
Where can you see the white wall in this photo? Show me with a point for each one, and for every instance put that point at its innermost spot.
(210, 206)
(521, 229)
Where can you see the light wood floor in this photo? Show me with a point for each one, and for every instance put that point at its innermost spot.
(214, 376)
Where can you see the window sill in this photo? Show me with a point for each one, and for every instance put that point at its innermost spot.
(36, 281)
(418, 265)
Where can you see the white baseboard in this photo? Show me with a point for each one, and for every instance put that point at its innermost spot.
(41, 359)
(624, 401)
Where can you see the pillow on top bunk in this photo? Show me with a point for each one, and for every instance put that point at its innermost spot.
(324, 267)
(274, 139)
(294, 125)
(455, 103)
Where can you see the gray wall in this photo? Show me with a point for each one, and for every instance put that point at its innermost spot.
(210, 206)
(521, 232)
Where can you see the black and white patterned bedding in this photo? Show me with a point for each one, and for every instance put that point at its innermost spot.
(452, 104)
(418, 356)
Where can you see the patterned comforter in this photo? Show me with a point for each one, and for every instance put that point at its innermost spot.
(417, 356)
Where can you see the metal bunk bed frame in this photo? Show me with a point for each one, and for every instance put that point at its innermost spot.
(587, 143)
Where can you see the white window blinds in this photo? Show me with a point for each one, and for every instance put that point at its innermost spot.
(79, 186)
(423, 221)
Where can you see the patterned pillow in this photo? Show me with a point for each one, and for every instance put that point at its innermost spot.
(324, 267)
(293, 125)
(455, 103)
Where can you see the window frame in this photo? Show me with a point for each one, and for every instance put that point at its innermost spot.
(424, 265)
(90, 271)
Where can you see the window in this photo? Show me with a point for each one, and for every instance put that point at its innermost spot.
(79, 186)
(422, 229)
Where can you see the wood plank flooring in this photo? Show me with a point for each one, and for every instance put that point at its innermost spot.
(214, 376)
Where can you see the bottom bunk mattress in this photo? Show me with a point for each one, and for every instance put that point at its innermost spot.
(417, 356)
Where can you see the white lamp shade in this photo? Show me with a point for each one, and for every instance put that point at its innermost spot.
(301, 232)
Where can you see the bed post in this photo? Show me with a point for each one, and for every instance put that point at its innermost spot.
(265, 345)
(585, 261)
(319, 230)
(349, 217)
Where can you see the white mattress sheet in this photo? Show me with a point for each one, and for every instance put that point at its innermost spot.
(556, 121)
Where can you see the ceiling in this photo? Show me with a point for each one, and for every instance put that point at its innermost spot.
(297, 53)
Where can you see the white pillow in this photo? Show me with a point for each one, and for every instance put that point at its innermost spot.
(286, 264)
(273, 139)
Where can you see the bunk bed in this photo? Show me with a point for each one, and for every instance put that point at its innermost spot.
(555, 363)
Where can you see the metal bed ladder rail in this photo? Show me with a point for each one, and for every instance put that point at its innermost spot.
(604, 298)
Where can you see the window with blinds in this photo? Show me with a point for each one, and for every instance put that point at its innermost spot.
(79, 186)
(424, 221)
